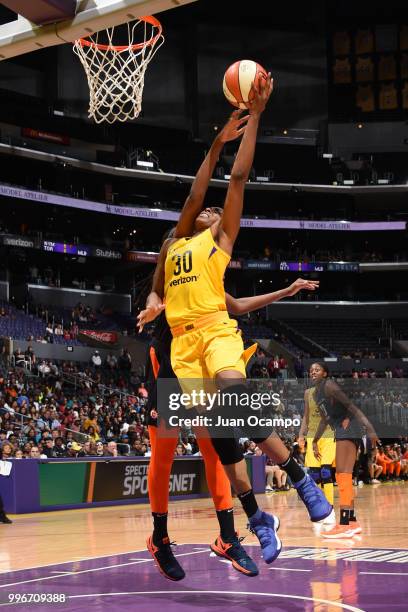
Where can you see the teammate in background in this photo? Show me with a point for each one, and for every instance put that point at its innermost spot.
(189, 280)
(348, 423)
(319, 469)
(227, 544)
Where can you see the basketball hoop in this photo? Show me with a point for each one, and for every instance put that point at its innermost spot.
(116, 73)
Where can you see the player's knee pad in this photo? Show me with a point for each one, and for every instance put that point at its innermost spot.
(314, 474)
(228, 450)
(235, 403)
(325, 474)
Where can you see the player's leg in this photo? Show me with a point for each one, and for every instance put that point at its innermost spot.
(227, 544)
(313, 464)
(377, 471)
(327, 449)
(270, 471)
(226, 359)
(312, 496)
(262, 524)
(3, 516)
(346, 453)
(158, 544)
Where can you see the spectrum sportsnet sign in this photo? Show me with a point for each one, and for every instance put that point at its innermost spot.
(118, 480)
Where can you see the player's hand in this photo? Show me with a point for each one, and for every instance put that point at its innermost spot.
(235, 126)
(262, 91)
(148, 315)
(316, 451)
(345, 423)
(302, 284)
(373, 437)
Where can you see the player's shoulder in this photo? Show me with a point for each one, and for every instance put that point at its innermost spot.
(167, 244)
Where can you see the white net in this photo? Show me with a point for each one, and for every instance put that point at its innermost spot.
(116, 73)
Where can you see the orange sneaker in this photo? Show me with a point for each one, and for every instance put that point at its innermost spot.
(355, 527)
(339, 531)
(166, 562)
(234, 552)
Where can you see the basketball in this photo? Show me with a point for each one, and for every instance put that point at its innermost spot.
(238, 79)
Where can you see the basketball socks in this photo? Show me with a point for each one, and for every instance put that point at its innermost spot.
(345, 517)
(159, 527)
(328, 490)
(249, 503)
(293, 470)
(352, 516)
(226, 522)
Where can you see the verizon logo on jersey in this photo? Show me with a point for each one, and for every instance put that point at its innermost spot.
(184, 279)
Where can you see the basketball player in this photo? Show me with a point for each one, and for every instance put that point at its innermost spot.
(319, 469)
(348, 423)
(227, 544)
(206, 344)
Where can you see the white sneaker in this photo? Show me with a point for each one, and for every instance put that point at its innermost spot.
(360, 483)
(269, 490)
(375, 481)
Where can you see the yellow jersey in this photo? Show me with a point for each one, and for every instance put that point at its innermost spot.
(194, 278)
(314, 414)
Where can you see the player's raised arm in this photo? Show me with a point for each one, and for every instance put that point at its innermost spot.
(234, 127)
(228, 229)
(240, 306)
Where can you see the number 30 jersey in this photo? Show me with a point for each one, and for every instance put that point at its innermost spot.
(194, 278)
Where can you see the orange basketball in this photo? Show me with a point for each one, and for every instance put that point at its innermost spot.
(238, 79)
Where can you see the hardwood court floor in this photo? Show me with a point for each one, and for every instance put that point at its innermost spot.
(35, 540)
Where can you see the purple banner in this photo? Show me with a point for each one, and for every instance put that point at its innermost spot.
(168, 215)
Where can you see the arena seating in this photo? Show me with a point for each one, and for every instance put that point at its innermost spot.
(341, 336)
(18, 325)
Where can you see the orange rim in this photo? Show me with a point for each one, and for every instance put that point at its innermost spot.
(152, 41)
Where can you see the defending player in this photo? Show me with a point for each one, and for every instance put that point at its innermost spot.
(348, 423)
(319, 469)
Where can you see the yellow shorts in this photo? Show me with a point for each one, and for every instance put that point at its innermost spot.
(327, 449)
(203, 352)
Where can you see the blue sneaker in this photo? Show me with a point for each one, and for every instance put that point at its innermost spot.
(166, 562)
(265, 526)
(234, 552)
(314, 499)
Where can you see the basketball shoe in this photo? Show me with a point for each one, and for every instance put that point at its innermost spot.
(355, 527)
(265, 527)
(232, 550)
(4, 518)
(314, 499)
(165, 560)
(338, 532)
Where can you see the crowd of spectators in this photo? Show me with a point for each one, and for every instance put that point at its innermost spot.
(71, 409)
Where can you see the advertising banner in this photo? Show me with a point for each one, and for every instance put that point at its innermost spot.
(104, 337)
(170, 215)
(119, 480)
